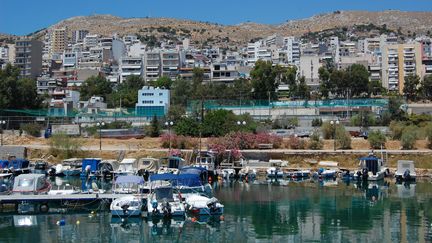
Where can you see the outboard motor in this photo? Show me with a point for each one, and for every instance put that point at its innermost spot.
(166, 209)
(154, 206)
(125, 208)
(407, 175)
(211, 204)
(365, 174)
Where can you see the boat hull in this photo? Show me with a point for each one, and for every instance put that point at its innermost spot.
(128, 213)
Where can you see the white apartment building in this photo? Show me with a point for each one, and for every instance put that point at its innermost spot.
(91, 41)
(292, 50)
(79, 35)
(129, 66)
(70, 59)
(221, 72)
(252, 52)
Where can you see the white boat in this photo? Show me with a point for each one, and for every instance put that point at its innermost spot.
(171, 165)
(201, 205)
(274, 172)
(127, 166)
(31, 184)
(405, 171)
(162, 203)
(247, 173)
(228, 173)
(128, 184)
(207, 160)
(325, 173)
(148, 166)
(127, 206)
(371, 168)
(67, 189)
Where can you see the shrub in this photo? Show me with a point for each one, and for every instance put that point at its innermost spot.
(396, 129)
(376, 139)
(429, 135)
(179, 142)
(408, 138)
(296, 143)
(64, 146)
(327, 130)
(343, 138)
(32, 129)
(315, 141)
(317, 122)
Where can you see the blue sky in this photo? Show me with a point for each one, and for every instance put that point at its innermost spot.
(25, 16)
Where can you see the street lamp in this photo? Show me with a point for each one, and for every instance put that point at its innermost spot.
(100, 125)
(169, 124)
(2, 122)
(241, 123)
(334, 124)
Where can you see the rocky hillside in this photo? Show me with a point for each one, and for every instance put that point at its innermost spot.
(208, 33)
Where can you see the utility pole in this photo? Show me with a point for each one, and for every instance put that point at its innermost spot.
(269, 105)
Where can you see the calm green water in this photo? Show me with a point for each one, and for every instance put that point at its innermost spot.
(289, 212)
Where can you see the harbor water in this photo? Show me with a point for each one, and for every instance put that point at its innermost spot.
(263, 211)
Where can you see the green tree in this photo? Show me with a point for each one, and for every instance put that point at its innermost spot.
(427, 87)
(376, 139)
(303, 90)
(411, 86)
(264, 80)
(163, 82)
(357, 79)
(315, 142)
(16, 92)
(343, 138)
(95, 85)
(187, 126)
(375, 88)
(181, 92)
(218, 123)
(154, 127)
(408, 138)
(127, 92)
(326, 86)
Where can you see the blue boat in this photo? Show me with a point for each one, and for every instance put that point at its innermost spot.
(184, 183)
(90, 167)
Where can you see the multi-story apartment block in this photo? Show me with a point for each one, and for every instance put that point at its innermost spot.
(221, 72)
(152, 65)
(252, 52)
(28, 57)
(91, 41)
(171, 62)
(398, 61)
(70, 59)
(47, 85)
(130, 66)
(291, 51)
(79, 35)
(58, 40)
(152, 102)
(309, 65)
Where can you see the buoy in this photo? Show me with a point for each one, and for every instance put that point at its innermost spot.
(122, 220)
(92, 212)
(62, 222)
(194, 219)
(222, 218)
(77, 222)
(58, 223)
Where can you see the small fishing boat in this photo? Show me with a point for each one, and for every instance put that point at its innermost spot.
(323, 173)
(128, 184)
(371, 168)
(274, 172)
(127, 206)
(171, 165)
(207, 160)
(72, 167)
(247, 173)
(298, 174)
(202, 205)
(66, 189)
(162, 203)
(405, 171)
(128, 166)
(31, 184)
(186, 182)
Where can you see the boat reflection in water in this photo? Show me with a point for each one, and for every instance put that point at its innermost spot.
(362, 211)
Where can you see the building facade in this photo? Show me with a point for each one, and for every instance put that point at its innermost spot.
(152, 102)
(28, 57)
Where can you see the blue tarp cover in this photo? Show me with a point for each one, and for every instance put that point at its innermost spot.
(20, 163)
(191, 180)
(192, 170)
(4, 164)
(129, 179)
(369, 158)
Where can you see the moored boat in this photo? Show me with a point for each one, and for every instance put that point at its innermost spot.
(31, 184)
(405, 171)
(202, 205)
(127, 206)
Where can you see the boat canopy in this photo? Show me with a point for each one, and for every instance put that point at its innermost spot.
(29, 182)
(369, 158)
(193, 170)
(129, 180)
(190, 180)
